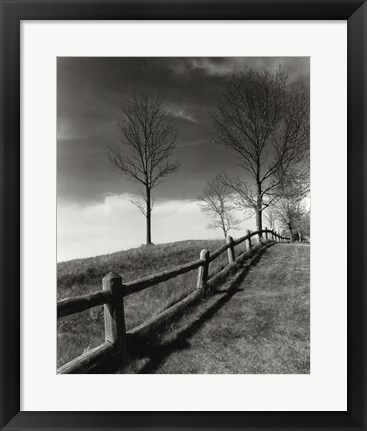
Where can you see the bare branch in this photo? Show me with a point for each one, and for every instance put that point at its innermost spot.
(216, 202)
(148, 140)
(267, 126)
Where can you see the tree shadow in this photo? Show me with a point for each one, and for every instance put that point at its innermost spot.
(157, 351)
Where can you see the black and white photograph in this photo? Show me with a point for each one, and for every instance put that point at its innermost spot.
(183, 215)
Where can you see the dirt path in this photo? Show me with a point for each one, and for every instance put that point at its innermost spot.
(257, 323)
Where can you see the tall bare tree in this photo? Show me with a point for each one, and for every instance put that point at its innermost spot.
(148, 138)
(267, 125)
(217, 203)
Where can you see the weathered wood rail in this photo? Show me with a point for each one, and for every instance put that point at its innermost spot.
(114, 291)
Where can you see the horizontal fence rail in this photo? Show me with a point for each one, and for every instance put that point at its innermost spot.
(86, 362)
(218, 252)
(80, 303)
(152, 280)
(146, 327)
(114, 290)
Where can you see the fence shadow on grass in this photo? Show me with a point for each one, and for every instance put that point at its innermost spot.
(156, 350)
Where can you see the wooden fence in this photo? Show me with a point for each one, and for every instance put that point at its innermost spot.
(112, 297)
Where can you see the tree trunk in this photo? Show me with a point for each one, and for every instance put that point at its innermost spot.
(148, 216)
(258, 208)
(258, 220)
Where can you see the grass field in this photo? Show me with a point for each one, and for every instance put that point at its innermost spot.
(257, 323)
(83, 331)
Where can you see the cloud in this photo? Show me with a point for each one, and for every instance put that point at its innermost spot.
(116, 224)
(193, 143)
(219, 67)
(295, 67)
(66, 130)
(180, 112)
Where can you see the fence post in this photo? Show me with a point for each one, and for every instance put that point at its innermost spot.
(114, 317)
(266, 233)
(230, 251)
(203, 270)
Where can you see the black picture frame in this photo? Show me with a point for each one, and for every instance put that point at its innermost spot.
(12, 12)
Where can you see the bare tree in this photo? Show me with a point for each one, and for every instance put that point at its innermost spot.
(271, 217)
(148, 138)
(290, 216)
(304, 226)
(291, 210)
(295, 219)
(267, 125)
(217, 203)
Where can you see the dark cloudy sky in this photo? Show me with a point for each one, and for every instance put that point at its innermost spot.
(89, 95)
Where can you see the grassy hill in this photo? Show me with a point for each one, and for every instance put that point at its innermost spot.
(83, 331)
(257, 322)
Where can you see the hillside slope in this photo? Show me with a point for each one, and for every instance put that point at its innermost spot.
(83, 331)
(258, 323)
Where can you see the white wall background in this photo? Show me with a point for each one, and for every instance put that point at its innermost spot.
(325, 387)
